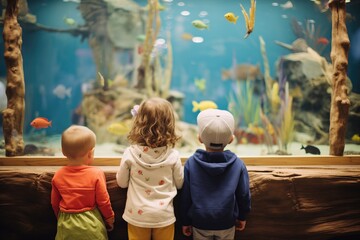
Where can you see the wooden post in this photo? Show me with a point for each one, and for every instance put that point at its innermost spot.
(340, 102)
(13, 115)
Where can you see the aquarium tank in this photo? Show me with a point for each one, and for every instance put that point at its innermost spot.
(88, 62)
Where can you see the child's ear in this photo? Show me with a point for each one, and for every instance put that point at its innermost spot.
(199, 139)
(91, 152)
(232, 139)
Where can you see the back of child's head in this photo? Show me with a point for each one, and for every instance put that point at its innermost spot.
(76, 141)
(154, 124)
(216, 128)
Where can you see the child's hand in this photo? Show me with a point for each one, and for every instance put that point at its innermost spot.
(187, 230)
(240, 225)
(109, 223)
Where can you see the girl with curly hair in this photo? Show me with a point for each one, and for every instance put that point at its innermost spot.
(151, 169)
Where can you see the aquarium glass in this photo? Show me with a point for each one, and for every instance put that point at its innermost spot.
(89, 62)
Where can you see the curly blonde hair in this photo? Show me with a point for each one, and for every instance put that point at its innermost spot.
(154, 124)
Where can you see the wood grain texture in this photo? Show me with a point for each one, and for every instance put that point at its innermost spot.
(249, 160)
(308, 202)
(340, 103)
(13, 115)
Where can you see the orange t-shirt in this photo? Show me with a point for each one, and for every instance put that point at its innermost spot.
(77, 189)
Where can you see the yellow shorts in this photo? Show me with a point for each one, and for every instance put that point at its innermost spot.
(140, 233)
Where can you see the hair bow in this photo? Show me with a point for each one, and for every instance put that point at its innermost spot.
(134, 110)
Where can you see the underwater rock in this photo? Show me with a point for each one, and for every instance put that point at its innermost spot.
(102, 108)
(282, 152)
(309, 76)
(351, 152)
(299, 45)
(304, 64)
(31, 149)
(189, 136)
(123, 27)
(353, 126)
(308, 79)
(125, 23)
(177, 100)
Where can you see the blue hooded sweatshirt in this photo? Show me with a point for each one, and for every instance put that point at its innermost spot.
(216, 190)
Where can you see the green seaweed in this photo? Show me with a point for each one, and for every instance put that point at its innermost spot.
(244, 105)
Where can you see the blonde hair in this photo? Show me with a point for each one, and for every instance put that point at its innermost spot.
(76, 141)
(154, 124)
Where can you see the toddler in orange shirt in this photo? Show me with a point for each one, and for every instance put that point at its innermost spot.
(79, 196)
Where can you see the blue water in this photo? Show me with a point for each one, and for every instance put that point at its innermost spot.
(51, 59)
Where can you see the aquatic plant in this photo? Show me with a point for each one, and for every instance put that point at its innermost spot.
(284, 120)
(278, 123)
(244, 105)
(249, 20)
(153, 25)
(268, 79)
(151, 74)
(269, 133)
(168, 70)
(162, 77)
(286, 123)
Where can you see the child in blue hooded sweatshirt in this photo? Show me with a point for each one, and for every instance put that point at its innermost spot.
(216, 195)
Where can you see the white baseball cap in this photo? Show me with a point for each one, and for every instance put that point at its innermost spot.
(216, 127)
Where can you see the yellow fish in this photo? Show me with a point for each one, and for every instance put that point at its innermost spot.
(186, 36)
(69, 21)
(199, 24)
(200, 84)
(356, 138)
(231, 17)
(203, 105)
(119, 128)
(249, 20)
(256, 129)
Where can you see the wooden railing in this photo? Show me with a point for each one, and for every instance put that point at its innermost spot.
(249, 160)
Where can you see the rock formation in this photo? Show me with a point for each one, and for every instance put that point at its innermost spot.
(13, 115)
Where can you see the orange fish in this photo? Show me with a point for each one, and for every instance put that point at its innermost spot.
(40, 122)
(323, 40)
(140, 49)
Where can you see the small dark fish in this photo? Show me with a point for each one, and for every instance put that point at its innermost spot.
(30, 149)
(311, 149)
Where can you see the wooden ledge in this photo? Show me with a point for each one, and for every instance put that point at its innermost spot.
(249, 160)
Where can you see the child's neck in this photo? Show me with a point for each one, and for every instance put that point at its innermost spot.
(214, 150)
(77, 162)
